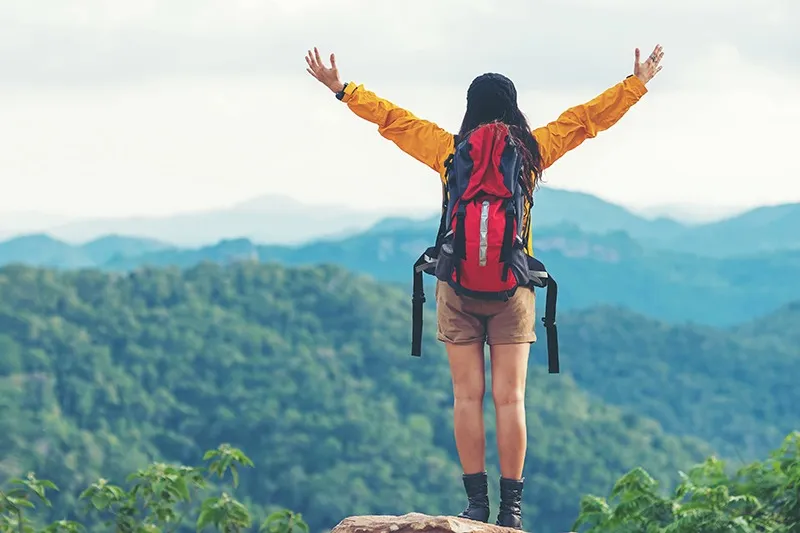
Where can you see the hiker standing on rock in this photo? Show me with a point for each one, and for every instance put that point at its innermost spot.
(483, 257)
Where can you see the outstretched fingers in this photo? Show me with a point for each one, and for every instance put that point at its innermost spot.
(329, 76)
(315, 63)
(315, 66)
(318, 58)
(310, 62)
(658, 53)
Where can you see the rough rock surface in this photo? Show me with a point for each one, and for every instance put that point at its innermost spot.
(416, 522)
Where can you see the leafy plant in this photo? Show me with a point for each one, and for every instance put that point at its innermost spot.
(761, 497)
(159, 499)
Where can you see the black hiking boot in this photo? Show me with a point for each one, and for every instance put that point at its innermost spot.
(510, 514)
(477, 489)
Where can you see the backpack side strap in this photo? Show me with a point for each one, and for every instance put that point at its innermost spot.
(425, 262)
(551, 331)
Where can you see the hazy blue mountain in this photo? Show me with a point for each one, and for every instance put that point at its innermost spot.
(591, 269)
(282, 220)
(103, 249)
(266, 219)
(44, 250)
(275, 219)
(596, 263)
(556, 206)
(762, 229)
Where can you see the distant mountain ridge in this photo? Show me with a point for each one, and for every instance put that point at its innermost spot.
(271, 218)
(44, 250)
(759, 230)
(591, 268)
(275, 219)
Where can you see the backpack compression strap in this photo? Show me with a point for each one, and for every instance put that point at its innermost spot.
(425, 261)
(549, 321)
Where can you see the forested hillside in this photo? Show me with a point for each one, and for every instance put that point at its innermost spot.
(307, 370)
(735, 389)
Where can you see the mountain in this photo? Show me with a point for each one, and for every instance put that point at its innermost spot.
(557, 207)
(44, 250)
(591, 269)
(112, 247)
(306, 370)
(553, 207)
(275, 219)
(267, 219)
(760, 230)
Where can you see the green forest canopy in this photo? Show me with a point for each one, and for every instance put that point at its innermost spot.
(307, 370)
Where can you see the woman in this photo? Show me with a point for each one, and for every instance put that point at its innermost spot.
(464, 324)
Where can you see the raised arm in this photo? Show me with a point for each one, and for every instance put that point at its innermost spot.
(585, 121)
(421, 139)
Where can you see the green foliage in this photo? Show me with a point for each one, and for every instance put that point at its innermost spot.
(159, 499)
(761, 497)
(306, 368)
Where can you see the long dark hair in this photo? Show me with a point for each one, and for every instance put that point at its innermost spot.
(492, 97)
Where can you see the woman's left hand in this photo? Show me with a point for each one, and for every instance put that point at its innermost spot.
(647, 70)
(329, 77)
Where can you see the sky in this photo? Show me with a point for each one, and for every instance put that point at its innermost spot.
(157, 107)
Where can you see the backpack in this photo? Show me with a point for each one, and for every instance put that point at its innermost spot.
(480, 248)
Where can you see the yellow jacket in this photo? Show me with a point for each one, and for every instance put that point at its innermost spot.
(432, 145)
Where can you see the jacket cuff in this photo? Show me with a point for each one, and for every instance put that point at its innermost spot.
(347, 93)
(634, 84)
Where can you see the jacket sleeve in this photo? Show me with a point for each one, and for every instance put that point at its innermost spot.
(585, 121)
(423, 140)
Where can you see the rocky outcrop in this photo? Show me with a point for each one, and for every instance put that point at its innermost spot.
(416, 522)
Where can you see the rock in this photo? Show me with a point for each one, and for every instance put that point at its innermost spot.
(415, 522)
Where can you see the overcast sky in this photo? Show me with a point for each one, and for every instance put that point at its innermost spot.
(147, 107)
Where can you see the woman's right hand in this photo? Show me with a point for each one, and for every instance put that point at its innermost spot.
(329, 77)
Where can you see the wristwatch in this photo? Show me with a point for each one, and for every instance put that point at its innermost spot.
(340, 94)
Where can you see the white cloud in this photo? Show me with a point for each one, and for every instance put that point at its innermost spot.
(151, 107)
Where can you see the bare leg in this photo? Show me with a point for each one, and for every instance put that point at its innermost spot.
(469, 387)
(509, 371)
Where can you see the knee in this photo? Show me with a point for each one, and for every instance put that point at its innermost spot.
(472, 391)
(508, 395)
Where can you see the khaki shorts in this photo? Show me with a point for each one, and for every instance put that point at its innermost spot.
(464, 320)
